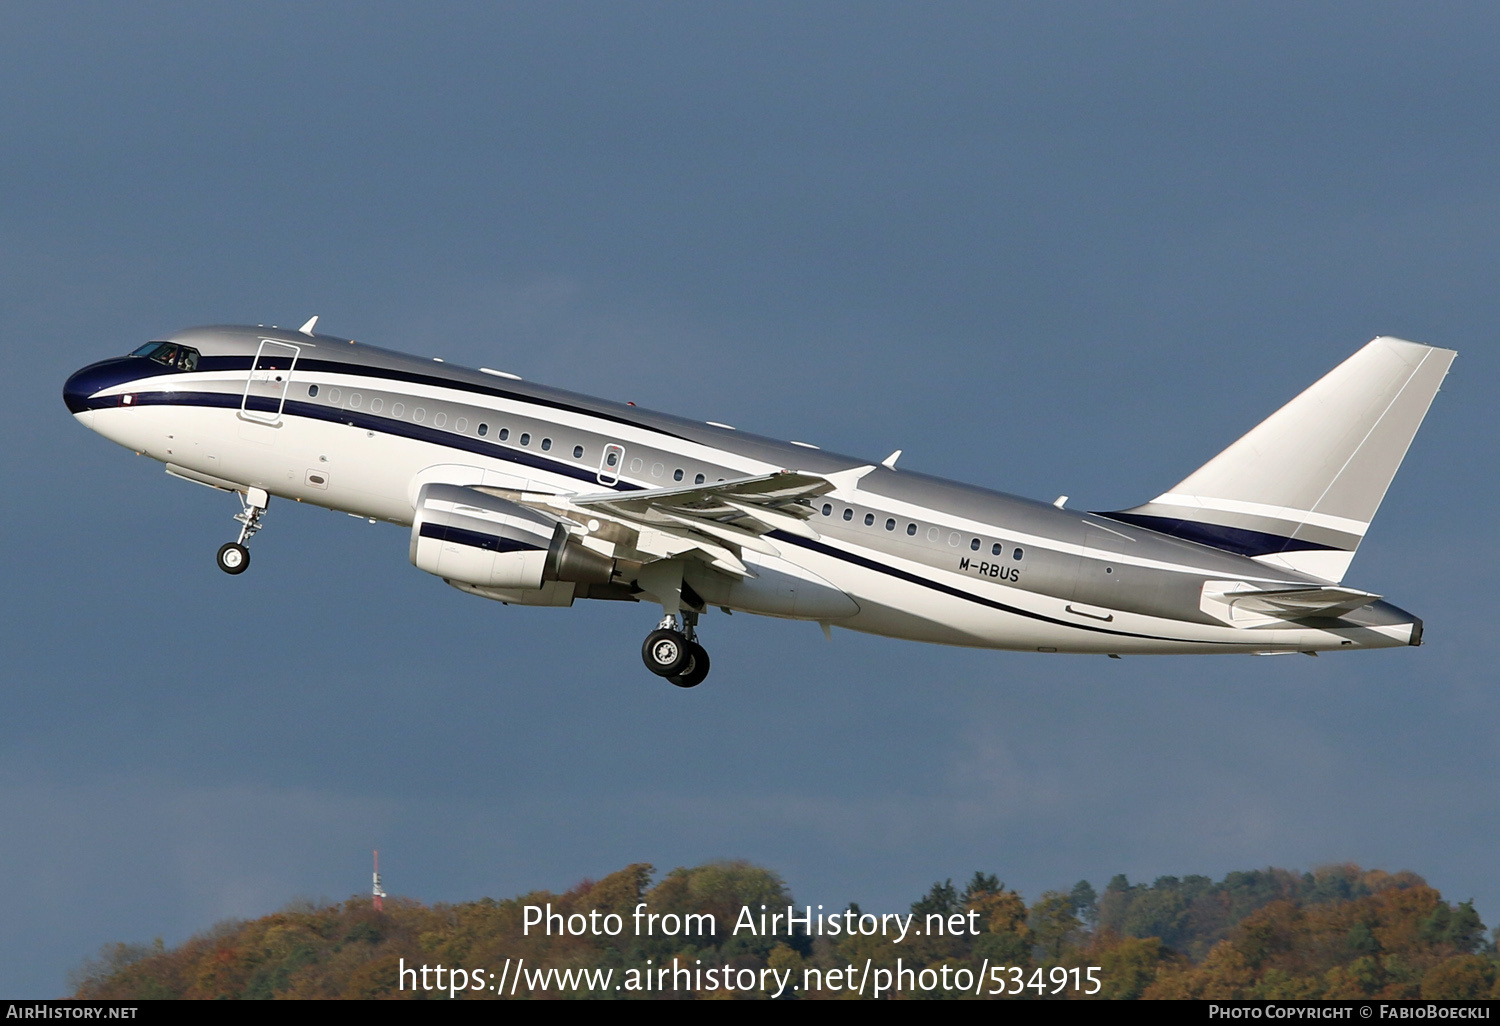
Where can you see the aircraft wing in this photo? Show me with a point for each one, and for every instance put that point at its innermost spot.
(716, 521)
(772, 498)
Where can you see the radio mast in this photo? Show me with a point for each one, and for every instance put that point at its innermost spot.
(377, 890)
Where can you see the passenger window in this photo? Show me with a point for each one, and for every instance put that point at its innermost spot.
(869, 519)
(504, 434)
(848, 513)
(995, 549)
(677, 474)
(827, 510)
(525, 437)
(1016, 554)
(546, 444)
(484, 429)
(578, 453)
(698, 479)
(312, 390)
(612, 458)
(890, 525)
(911, 529)
(974, 544)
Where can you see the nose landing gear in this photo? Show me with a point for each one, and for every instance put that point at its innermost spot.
(675, 654)
(234, 557)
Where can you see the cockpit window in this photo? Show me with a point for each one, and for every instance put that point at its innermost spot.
(170, 354)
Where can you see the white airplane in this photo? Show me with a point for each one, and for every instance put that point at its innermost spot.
(536, 496)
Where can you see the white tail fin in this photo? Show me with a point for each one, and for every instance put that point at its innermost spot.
(1301, 488)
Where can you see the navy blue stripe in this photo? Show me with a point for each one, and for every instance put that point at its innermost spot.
(476, 539)
(242, 363)
(369, 422)
(1228, 539)
(870, 564)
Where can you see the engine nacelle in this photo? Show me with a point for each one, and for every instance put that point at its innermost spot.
(467, 536)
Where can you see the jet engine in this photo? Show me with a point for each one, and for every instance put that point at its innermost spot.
(467, 536)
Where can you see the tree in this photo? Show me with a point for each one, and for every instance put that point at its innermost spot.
(1085, 903)
(1053, 924)
(1129, 966)
(942, 899)
(1224, 975)
(982, 883)
(1458, 927)
(1463, 978)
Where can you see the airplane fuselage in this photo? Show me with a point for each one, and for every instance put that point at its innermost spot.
(355, 428)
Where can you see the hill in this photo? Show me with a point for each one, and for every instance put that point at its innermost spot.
(731, 930)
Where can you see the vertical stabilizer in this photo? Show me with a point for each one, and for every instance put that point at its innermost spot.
(1301, 488)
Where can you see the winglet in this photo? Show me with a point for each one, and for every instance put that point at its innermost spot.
(307, 329)
(890, 461)
(847, 480)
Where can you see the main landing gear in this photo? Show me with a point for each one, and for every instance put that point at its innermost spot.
(234, 557)
(675, 654)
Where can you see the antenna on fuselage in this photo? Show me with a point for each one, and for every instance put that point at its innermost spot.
(377, 890)
(307, 329)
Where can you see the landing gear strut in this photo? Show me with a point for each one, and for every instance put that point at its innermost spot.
(675, 654)
(234, 557)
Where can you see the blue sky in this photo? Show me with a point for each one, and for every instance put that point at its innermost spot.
(1064, 248)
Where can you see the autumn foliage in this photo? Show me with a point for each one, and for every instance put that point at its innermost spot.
(1338, 932)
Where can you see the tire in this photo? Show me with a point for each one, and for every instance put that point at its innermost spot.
(233, 558)
(665, 652)
(697, 668)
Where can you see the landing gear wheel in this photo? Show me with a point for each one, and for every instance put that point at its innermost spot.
(665, 652)
(697, 667)
(233, 558)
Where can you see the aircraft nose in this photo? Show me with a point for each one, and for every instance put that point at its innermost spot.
(82, 385)
(76, 391)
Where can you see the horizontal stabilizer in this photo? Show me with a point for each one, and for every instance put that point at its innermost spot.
(1299, 602)
(1300, 490)
(1244, 605)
